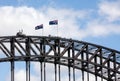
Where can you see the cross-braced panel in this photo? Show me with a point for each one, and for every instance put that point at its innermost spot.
(95, 59)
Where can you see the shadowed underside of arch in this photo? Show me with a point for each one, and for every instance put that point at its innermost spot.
(95, 59)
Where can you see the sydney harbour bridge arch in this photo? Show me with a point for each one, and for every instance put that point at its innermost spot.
(102, 62)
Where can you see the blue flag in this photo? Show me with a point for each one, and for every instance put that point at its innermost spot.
(54, 22)
(39, 27)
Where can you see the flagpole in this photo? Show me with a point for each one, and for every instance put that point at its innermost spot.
(57, 30)
(54, 22)
(42, 31)
(40, 27)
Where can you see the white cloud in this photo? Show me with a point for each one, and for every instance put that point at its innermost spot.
(110, 9)
(50, 71)
(106, 23)
(98, 28)
(15, 18)
(26, 18)
(20, 75)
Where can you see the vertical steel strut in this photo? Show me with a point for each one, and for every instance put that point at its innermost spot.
(95, 60)
(58, 41)
(101, 60)
(41, 71)
(41, 61)
(82, 75)
(55, 72)
(73, 72)
(44, 71)
(114, 58)
(27, 59)
(69, 73)
(55, 60)
(59, 73)
(82, 57)
(12, 70)
(73, 52)
(87, 57)
(27, 70)
(44, 49)
(69, 64)
(12, 61)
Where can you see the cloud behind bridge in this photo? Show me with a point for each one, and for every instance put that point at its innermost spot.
(76, 24)
(70, 21)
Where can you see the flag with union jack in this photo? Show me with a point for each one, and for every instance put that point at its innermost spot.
(54, 22)
(39, 27)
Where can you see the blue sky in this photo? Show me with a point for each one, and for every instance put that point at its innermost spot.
(91, 8)
(95, 21)
(77, 4)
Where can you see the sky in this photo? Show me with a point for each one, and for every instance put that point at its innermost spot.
(94, 21)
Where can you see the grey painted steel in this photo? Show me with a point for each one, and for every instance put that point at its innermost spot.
(87, 57)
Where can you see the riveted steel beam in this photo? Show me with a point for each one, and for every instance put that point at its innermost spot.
(22, 47)
(36, 45)
(106, 60)
(66, 48)
(98, 57)
(19, 50)
(94, 54)
(6, 49)
(80, 51)
(52, 47)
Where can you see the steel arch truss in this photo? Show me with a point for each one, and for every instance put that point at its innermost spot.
(98, 60)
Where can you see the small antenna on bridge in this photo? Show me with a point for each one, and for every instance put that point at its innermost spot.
(20, 33)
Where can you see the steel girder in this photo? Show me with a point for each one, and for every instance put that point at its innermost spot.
(98, 60)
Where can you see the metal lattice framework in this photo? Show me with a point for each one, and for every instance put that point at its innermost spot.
(91, 58)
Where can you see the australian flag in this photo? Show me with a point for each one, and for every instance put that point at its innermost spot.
(54, 22)
(39, 27)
